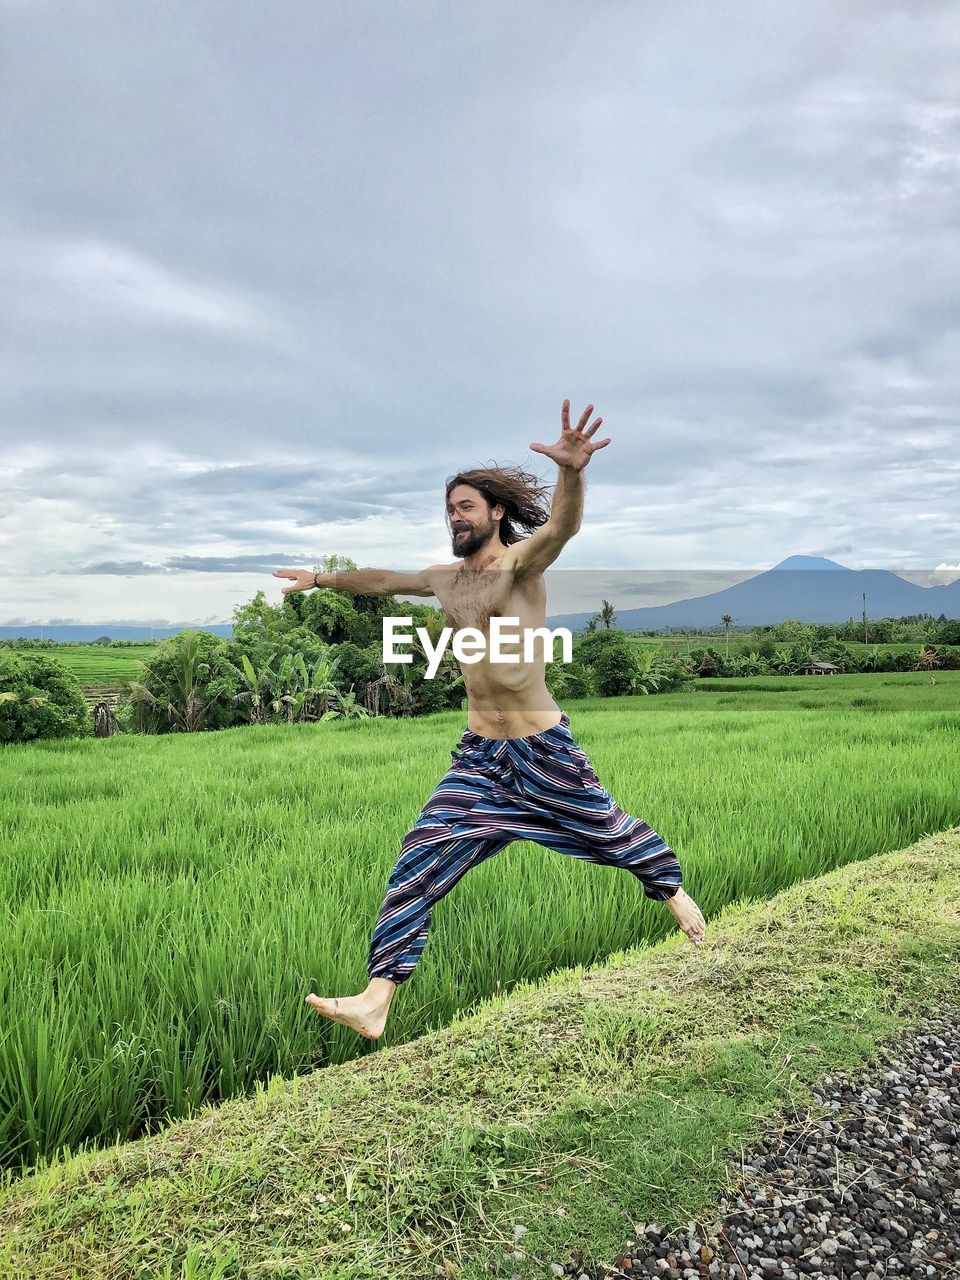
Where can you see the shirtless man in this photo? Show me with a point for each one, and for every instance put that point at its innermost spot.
(517, 773)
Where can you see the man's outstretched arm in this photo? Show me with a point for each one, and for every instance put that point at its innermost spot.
(538, 552)
(362, 582)
(566, 508)
(571, 453)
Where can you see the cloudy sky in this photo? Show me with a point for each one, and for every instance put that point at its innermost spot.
(269, 274)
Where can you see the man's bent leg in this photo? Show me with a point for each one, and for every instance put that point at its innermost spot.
(562, 793)
(432, 859)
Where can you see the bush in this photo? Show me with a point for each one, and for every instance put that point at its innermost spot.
(611, 662)
(432, 696)
(568, 679)
(707, 661)
(40, 698)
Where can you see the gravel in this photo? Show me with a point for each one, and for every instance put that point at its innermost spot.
(863, 1185)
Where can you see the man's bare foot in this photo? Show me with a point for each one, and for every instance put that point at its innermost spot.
(365, 1013)
(687, 915)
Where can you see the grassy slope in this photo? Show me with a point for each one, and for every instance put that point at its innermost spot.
(576, 1107)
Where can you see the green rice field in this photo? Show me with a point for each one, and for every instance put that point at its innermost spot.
(168, 901)
(97, 664)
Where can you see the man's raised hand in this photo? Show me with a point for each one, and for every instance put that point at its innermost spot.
(575, 446)
(303, 579)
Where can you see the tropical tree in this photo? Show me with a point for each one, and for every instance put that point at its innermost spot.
(755, 663)
(189, 684)
(610, 657)
(392, 692)
(568, 679)
(928, 658)
(294, 691)
(706, 661)
(265, 631)
(727, 621)
(346, 708)
(607, 615)
(833, 651)
(308, 694)
(874, 659)
(256, 694)
(655, 670)
(798, 655)
(447, 685)
(647, 674)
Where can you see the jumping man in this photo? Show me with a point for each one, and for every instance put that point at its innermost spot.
(517, 773)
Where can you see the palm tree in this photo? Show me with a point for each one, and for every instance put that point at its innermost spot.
(727, 621)
(607, 615)
(185, 712)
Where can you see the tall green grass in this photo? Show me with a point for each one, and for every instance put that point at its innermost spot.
(168, 901)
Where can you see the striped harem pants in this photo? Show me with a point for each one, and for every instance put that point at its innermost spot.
(498, 790)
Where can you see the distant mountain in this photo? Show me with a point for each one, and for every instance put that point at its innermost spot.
(809, 562)
(84, 632)
(810, 588)
(805, 587)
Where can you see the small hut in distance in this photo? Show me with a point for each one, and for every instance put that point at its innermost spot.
(819, 669)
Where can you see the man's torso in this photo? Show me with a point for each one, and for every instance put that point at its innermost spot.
(504, 699)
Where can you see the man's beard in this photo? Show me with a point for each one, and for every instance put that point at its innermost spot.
(473, 541)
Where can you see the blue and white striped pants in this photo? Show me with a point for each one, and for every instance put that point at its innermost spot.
(498, 790)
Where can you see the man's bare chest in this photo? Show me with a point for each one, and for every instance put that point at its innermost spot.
(470, 598)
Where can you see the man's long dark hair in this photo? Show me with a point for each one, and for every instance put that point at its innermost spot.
(519, 492)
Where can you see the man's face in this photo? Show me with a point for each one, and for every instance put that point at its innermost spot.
(471, 519)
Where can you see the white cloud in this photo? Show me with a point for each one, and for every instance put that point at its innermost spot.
(118, 279)
(268, 279)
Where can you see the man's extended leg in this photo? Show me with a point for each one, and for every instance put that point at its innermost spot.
(434, 855)
(432, 860)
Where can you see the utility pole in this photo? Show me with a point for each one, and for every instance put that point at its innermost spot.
(864, 617)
